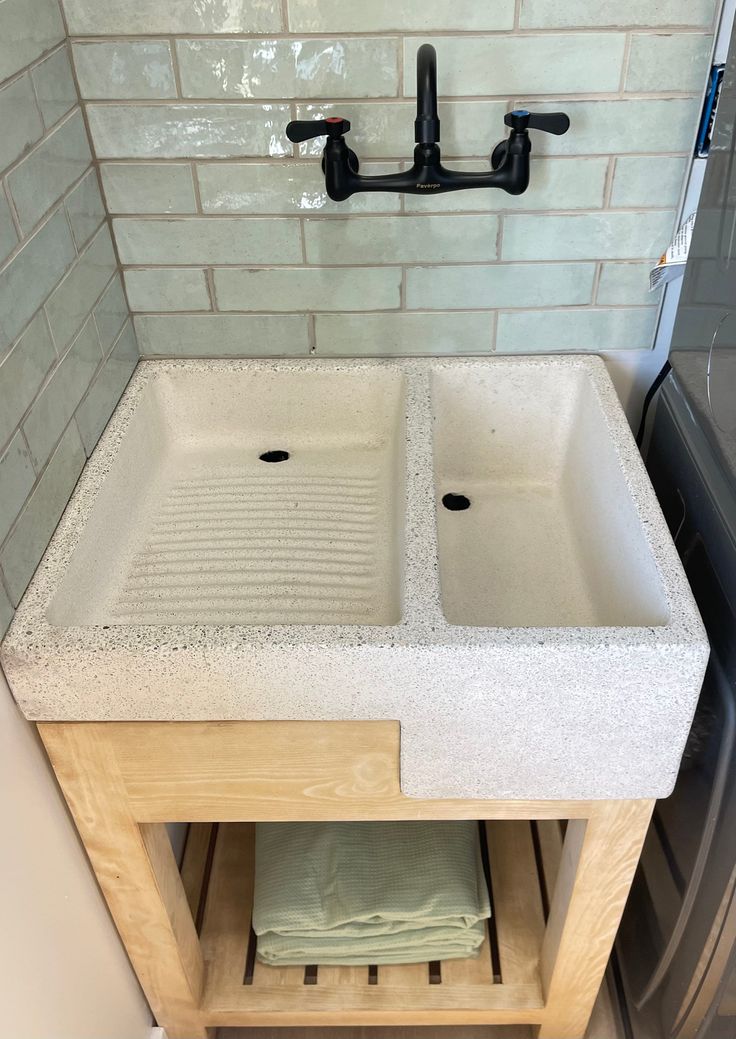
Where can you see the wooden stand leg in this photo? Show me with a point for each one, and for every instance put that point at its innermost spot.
(599, 858)
(137, 872)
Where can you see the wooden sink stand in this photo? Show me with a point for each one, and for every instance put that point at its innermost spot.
(557, 899)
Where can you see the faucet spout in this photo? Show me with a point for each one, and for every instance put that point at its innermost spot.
(427, 125)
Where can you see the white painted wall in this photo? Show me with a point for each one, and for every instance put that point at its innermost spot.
(63, 971)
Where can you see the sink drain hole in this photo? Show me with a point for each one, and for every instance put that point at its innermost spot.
(456, 502)
(274, 456)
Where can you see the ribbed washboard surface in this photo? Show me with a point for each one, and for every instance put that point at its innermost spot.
(263, 544)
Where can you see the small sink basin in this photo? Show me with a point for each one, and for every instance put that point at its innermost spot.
(550, 537)
(266, 498)
(468, 546)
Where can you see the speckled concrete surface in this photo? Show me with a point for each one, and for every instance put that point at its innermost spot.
(513, 712)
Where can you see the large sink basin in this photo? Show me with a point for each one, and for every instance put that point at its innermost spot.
(215, 533)
(540, 642)
(552, 537)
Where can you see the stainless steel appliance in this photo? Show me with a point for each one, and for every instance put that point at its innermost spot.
(676, 955)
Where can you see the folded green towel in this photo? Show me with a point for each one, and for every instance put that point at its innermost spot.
(368, 893)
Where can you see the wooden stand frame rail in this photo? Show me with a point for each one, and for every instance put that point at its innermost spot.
(188, 934)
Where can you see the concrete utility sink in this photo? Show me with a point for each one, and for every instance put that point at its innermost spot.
(470, 547)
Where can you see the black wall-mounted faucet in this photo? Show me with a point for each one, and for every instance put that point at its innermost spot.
(509, 159)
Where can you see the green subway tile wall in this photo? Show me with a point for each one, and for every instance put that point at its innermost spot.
(169, 118)
(67, 345)
(217, 213)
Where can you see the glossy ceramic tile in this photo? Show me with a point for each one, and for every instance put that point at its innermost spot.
(555, 184)
(85, 208)
(671, 62)
(111, 313)
(48, 172)
(104, 393)
(648, 180)
(50, 211)
(499, 65)
(6, 611)
(609, 127)
(499, 286)
(125, 70)
(17, 477)
(188, 131)
(69, 304)
(152, 187)
(137, 17)
(54, 85)
(411, 239)
(589, 236)
(22, 374)
(408, 16)
(309, 289)
(627, 284)
(8, 234)
(34, 271)
(29, 28)
(558, 14)
(20, 120)
(21, 553)
(208, 240)
(59, 398)
(289, 68)
(222, 335)
(286, 188)
(581, 331)
(403, 334)
(162, 289)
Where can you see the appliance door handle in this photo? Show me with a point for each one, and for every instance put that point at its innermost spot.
(715, 803)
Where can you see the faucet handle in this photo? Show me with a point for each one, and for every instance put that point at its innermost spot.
(551, 122)
(305, 129)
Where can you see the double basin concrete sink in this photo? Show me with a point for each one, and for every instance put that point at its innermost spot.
(468, 546)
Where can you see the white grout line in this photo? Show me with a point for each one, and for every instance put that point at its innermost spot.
(608, 186)
(408, 101)
(568, 308)
(175, 67)
(399, 34)
(628, 46)
(10, 202)
(320, 217)
(596, 282)
(285, 161)
(211, 289)
(360, 265)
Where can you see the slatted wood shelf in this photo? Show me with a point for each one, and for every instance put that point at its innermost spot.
(501, 986)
